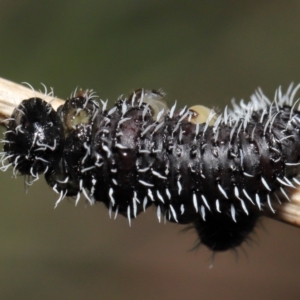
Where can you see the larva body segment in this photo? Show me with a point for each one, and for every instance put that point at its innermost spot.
(115, 158)
(69, 176)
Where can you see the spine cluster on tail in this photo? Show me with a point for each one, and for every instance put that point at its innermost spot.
(216, 172)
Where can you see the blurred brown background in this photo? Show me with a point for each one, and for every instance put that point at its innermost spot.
(199, 52)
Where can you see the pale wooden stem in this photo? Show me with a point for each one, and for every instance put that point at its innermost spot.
(288, 212)
(11, 94)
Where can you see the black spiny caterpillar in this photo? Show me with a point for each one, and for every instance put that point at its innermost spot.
(215, 172)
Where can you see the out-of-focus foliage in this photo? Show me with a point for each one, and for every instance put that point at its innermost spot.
(199, 52)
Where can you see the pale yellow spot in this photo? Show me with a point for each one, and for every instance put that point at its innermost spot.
(201, 114)
(156, 101)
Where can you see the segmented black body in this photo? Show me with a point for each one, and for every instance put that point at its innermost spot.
(216, 176)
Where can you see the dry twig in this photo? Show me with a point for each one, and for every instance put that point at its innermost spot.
(11, 94)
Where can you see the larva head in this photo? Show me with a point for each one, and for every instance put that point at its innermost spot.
(34, 138)
(219, 232)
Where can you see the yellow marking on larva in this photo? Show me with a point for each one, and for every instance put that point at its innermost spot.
(77, 116)
(201, 114)
(156, 101)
